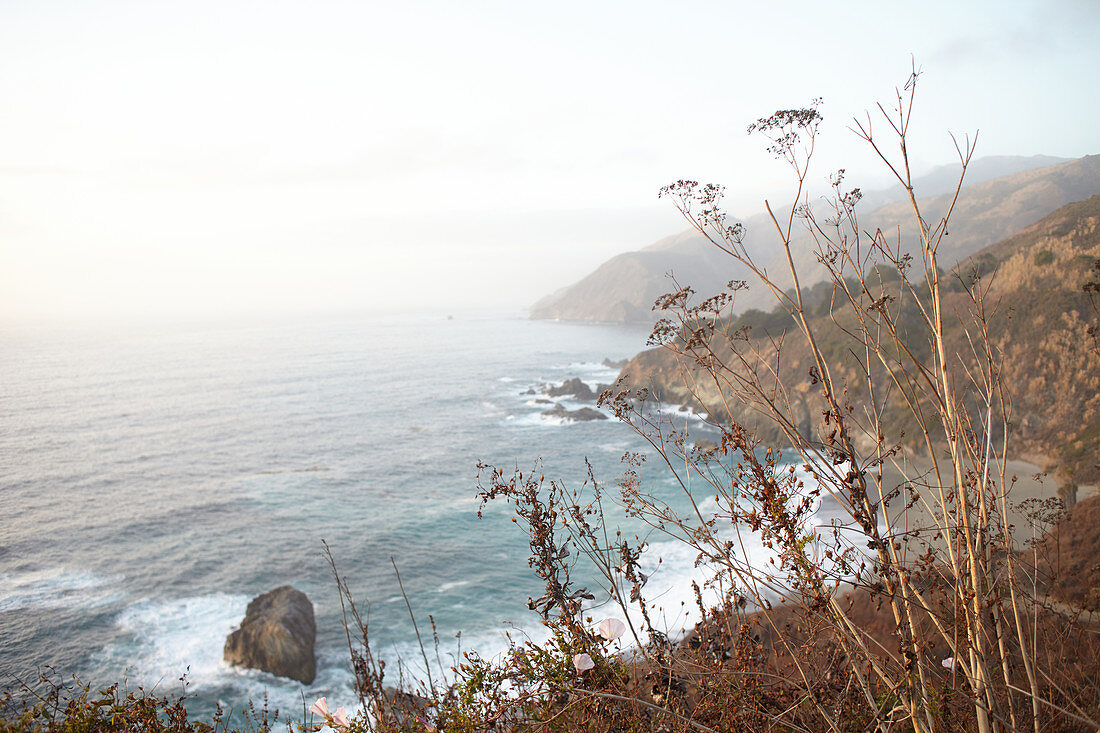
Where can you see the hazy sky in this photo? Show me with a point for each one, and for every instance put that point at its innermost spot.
(232, 156)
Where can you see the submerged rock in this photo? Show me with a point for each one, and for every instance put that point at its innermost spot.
(581, 415)
(277, 636)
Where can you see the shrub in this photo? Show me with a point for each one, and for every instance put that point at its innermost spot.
(56, 705)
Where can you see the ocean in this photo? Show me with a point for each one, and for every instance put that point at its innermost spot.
(155, 478)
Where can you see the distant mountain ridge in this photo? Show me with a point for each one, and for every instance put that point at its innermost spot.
(990, 208)
(942, 179)
(622, 290)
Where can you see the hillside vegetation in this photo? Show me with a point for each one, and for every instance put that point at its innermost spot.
(1039, 318)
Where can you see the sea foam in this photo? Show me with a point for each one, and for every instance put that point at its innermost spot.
(164, 640)
(56, 588)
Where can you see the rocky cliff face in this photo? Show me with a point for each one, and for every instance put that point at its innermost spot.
(1039, 320)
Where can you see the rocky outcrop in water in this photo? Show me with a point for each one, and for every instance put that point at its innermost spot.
(582, 415)
(573, 388)
(277, 636)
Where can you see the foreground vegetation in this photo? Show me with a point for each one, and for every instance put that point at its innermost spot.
(891, 383)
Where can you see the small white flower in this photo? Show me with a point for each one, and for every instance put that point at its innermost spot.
(320, 708)
(340, 718)
(949, 663)
(611, 628)
(583, 662)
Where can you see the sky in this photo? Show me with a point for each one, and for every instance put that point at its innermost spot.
(250, 157)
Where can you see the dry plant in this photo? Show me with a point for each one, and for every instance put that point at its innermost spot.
(889, 394)
(54, 704)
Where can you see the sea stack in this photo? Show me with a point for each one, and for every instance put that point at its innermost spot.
(277, 636)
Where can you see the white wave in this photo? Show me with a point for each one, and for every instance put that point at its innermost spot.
(537, 420)
(164, 639)
(559, 420)
(491, 644)
(671, 568)
(591, 369)
(168, 636)
(682, 418)
(56, 588)
(594, 378)
(488, 408)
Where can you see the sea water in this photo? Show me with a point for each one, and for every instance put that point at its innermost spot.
(155, 478)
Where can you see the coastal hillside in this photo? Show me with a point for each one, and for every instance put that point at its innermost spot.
(942, 179)
(623, 289)
(1039, 317)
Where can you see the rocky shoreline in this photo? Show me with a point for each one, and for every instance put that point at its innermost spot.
(574, 389)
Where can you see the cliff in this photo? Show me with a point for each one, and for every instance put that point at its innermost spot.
(1039, 318)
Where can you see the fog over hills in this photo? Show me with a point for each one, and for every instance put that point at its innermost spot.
(942, 179)
(622, 290)
(1003, 195)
